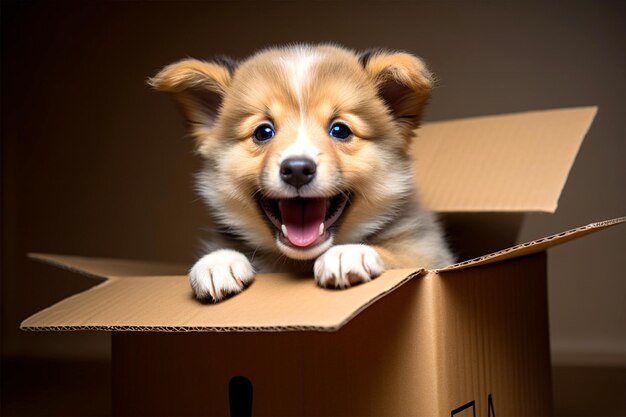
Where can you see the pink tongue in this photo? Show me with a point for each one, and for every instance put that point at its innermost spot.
(302, 218)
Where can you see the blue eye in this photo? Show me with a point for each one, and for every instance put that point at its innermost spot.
(263, 133)
(340, 131)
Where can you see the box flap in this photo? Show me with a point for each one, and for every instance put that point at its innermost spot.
(274, 302)
(536, 245)
(110, 267)
(508, 163)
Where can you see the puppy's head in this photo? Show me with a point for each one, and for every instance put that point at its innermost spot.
(304, 145)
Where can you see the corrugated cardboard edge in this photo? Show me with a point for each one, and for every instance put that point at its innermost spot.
(534, 246)
(27, 327)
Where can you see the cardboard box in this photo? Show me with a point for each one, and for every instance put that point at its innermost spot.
(468, 339)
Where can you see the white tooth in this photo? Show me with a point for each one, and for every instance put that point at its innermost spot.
(284, 229)
(321, 228)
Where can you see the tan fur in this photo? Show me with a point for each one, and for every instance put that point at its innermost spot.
(302, 89)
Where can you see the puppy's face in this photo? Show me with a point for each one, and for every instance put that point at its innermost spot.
(304, 146)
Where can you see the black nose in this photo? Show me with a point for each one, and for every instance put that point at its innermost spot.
(297, 171)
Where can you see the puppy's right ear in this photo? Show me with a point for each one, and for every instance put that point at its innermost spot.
(198, 86)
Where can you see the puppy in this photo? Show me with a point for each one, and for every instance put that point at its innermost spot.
(307, 164)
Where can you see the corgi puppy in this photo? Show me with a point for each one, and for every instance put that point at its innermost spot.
(306, 164)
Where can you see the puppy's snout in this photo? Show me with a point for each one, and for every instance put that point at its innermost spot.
(298, 171)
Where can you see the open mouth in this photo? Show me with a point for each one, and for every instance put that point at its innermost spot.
(304, 222)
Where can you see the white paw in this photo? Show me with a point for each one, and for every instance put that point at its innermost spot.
(345, 265)
(219, 274)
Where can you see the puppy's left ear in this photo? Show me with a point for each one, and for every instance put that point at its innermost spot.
(198, 86)
(402, 81)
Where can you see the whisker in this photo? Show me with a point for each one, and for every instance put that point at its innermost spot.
(253, 254)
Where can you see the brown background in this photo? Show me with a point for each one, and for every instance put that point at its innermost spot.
(94, 163)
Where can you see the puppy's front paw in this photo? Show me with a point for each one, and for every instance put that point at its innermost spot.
(345, 265)
(219, 274)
